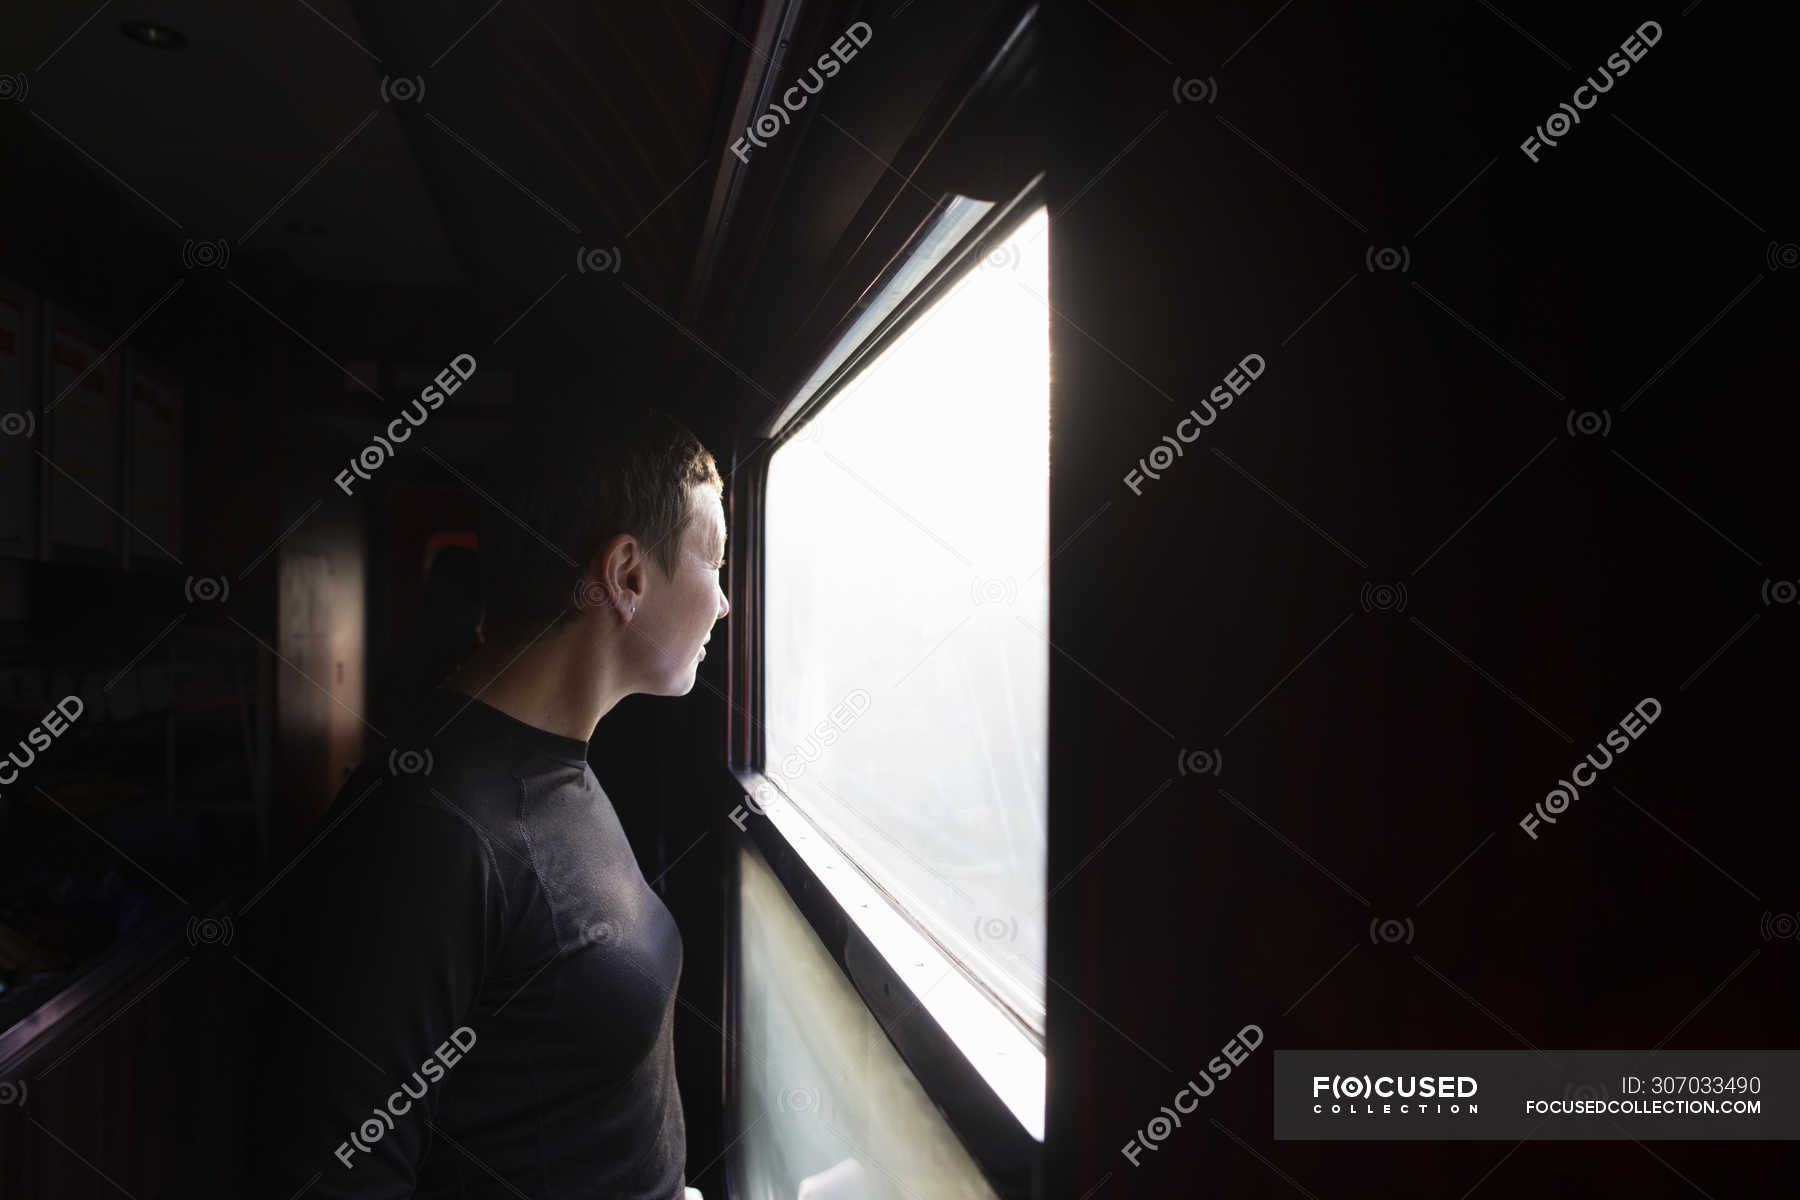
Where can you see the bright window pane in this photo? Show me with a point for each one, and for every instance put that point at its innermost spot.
(907, 592)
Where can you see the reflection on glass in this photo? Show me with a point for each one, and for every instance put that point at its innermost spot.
(822, 1097)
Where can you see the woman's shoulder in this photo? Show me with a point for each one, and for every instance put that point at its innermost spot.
(426, 799)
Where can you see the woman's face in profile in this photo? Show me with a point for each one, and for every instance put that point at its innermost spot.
(680, 614)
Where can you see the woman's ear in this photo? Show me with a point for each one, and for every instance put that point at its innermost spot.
(617, 566)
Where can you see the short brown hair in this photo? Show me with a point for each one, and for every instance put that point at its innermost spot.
(555, 494)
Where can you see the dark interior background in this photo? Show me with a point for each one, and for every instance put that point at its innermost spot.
(1392, 594)
(1395, 592)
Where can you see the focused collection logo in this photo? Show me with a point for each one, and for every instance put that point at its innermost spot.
(1394, 1095)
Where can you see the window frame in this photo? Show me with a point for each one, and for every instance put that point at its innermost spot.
(1009, 1156)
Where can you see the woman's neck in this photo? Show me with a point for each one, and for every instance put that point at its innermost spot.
(560, 683)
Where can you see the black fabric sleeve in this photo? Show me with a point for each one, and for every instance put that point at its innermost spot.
(370, 963)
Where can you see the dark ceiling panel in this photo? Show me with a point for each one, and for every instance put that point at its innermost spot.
(266, 131)
(564, 140)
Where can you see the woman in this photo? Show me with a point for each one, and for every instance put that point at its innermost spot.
(472, 988)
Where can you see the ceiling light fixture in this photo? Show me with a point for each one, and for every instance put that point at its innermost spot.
(151, 34)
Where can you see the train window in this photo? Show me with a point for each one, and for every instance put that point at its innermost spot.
(906, 593)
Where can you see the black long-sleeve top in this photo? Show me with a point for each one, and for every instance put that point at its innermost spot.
(470, 988)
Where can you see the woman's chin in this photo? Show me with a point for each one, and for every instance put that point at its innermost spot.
(682, 681)
(677, 679)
